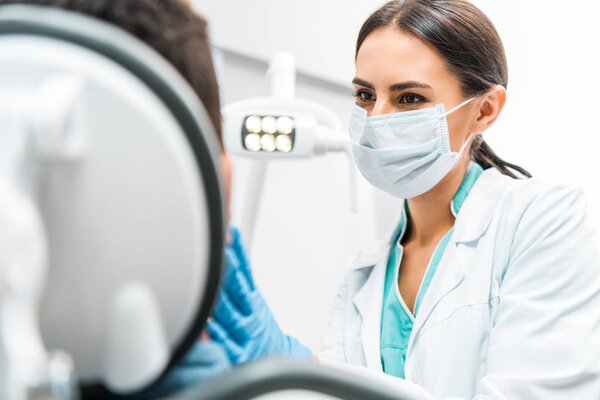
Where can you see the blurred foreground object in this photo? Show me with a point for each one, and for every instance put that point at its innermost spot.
(112, 218)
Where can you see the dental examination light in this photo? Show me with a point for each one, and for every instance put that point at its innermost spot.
(281, 127)
(111, 214)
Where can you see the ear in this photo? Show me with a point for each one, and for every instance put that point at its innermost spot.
(490, 105)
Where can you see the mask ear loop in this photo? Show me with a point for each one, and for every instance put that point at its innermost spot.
(464, 103)
(464, 146)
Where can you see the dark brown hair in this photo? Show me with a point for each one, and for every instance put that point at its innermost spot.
(469, 43)
(171, 27)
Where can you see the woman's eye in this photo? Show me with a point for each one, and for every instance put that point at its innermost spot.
(363, 96)
(411, 98)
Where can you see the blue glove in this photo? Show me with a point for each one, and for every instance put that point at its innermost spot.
(205, 360)
(243, 323)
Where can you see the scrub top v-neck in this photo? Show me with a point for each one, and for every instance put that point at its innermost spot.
(396, 320)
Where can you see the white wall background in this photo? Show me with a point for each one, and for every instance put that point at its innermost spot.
(306, 232)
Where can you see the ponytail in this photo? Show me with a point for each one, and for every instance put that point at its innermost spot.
(483, 155)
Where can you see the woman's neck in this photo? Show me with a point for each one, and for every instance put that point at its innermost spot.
(430, 215)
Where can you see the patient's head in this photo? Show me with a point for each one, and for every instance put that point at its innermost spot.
(171, 27)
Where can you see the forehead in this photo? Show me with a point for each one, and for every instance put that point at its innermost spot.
(389, 55)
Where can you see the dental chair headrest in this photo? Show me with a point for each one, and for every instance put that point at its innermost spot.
(122, 163)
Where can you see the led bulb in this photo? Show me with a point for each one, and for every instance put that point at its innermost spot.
(269, 125)
(267, 142)
(284, 143)
(252, 142)
(253, 124)
(285, 125)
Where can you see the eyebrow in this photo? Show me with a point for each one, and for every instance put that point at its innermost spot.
(394, 87)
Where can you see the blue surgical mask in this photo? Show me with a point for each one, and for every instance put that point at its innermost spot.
(407, 153)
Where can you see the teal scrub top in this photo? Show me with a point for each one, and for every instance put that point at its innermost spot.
(396, 319)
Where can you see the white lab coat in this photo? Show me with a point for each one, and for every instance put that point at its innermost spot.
(513, 311)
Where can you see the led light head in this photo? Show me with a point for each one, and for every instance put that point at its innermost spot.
(268, 133)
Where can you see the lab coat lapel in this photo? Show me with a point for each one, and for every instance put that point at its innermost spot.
(471, 223)
(369, 299)
(449, 275)
(369, 302)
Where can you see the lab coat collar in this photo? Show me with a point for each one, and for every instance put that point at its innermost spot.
(473, 215)
(466, 185)
(471, 222)
(479, 206)
(467, 227)
(456, 204)
(369, 255)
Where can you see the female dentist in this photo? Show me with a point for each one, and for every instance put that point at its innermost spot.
(489, 287)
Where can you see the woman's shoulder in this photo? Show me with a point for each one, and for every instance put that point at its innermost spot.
(515, 202)
(526, 191)
(531, 217)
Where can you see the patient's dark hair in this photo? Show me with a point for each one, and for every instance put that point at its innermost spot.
(171, 27)
(469, 43)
